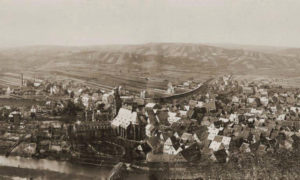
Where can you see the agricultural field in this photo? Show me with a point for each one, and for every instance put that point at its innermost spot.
(8, 80)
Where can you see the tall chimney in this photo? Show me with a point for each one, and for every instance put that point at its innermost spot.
(22, 79)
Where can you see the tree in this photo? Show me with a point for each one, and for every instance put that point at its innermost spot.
(70, 108)
(72, 94)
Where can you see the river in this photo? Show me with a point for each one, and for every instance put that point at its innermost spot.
(15, 167)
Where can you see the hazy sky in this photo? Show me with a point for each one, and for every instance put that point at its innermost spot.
(92, 22)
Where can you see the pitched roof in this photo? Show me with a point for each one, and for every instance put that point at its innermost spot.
(124, 118)
(218, 138)
(164, 136)
(190, 113)
(153, 142)
(150, 105)
(172, 117)
(211, 105)
(174, 142)
(214, 145)
(145, 147)
(192, 153)
(187, 136)
(151, 117)
(162, 116)
(221, 155)
(202, 132)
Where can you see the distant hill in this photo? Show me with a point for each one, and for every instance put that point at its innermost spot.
(154, 59)
(292, 52)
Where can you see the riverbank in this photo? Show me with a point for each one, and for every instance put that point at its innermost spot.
(26, 173)
(26, 168)
(273, 166)
(240, 166)
(84, 158)
(48, 169)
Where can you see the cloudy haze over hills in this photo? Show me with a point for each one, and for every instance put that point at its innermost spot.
(93, 22)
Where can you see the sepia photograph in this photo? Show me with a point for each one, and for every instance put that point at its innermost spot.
(149, 89)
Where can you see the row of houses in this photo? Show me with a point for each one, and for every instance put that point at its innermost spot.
(238, 118)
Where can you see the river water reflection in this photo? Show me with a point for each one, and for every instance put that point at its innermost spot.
(61, 167)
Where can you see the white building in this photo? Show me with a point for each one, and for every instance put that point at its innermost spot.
(8, 91)
(264, 101)
(169, 147)
(172, 117)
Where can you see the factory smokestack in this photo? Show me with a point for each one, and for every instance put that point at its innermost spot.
(22, 80)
